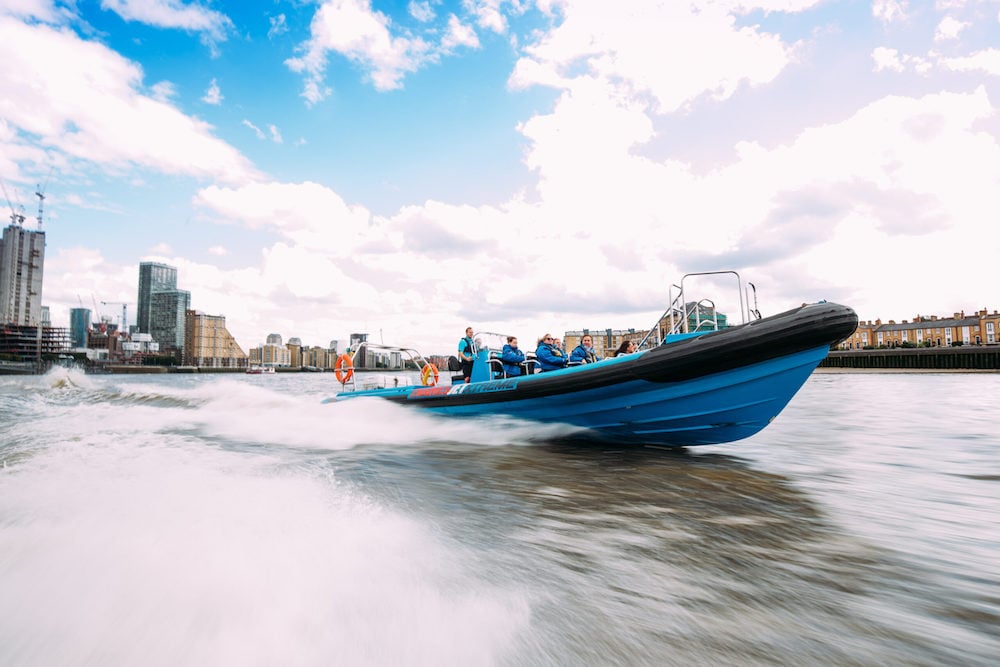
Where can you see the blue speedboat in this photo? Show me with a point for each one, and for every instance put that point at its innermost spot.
(707, 386)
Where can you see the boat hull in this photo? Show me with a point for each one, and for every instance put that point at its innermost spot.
(709, 389)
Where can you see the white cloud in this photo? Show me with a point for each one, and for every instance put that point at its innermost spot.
(173, 14)
(671, 53)
(306, 213)
(77, 277)
(279, 26)
(949, 28)
(987, 60)
(459, 35)
(84, 101)
(256, 130)
(887, 59)
(422, 11)
(213, 95)
(273, 133)
(163, 91)
(890, 11)
(218, 251)
(488, 14)
(43, 10)
(352, 29)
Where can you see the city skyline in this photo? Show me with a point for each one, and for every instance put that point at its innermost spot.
(414, 168)
(165, 320)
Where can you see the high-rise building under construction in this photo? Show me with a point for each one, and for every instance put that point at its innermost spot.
(22, 256)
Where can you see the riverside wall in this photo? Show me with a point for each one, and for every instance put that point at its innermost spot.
(964, 358)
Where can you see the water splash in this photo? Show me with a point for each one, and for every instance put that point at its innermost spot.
(132, 538)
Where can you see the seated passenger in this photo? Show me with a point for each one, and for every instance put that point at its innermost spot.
(584, 352)
(512, 358)
(627, 347)
(550, 358)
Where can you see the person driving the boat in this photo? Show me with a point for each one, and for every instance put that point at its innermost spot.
(550, 357)
(512, 358)
(466, 353)
(584, 352)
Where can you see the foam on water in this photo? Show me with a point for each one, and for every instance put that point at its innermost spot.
(129, 536)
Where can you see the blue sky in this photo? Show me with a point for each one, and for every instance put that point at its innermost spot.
(319, 168)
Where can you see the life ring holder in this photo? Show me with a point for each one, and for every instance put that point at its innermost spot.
(429, 375)
(344, 369)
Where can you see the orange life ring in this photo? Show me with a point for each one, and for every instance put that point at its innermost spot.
(343, 369)
(429, 375)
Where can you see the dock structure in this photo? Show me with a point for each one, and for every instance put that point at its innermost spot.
(973, 357)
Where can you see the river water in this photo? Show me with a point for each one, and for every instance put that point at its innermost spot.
(237, 520)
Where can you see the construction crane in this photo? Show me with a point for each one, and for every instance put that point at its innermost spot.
(123, 329)
(15, 217)
(40, 193)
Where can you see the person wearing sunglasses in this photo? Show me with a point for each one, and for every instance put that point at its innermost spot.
(550, 357)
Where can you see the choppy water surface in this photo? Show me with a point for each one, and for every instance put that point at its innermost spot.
(189, 520)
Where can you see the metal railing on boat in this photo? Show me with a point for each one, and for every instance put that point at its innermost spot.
(416, 359)
(687, 317)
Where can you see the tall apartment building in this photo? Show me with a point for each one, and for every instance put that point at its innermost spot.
(294, 346)
(153, 277)
(208, 344)
(167, 317)
(162, 307)
(79, 325)
(22, 256)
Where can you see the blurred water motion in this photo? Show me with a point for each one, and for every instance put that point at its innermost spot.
(185, 520)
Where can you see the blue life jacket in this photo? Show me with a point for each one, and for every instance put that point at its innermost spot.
(584, 355)
(512, 358)
(550, 358)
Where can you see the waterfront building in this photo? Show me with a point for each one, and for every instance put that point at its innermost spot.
(161, 307)
(79, 325)
(22, 256)
(319, 357)
(294, 346)
(376, 359)
(138, 345)
(208, 344)
(981, 328)
(270, 354)
(167, 317)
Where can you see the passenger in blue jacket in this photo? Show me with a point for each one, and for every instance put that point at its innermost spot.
(550, 358)
(512, 358)
(584, 352)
